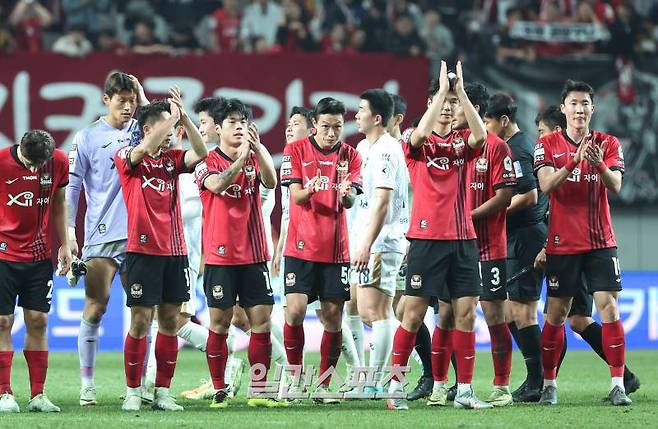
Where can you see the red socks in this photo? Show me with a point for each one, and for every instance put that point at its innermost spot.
(37, 366)
(293, 340)
(330, 348)
(465, 354)
(133, 360)
(217, 355)
(614, 347)
(403, 343)
(166, 353)
(501, 352)
(552, 342)
(441, 352)
(260, 352)
(5, 372)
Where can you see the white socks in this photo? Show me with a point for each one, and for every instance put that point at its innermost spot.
(349, 348)
(194, 334)
(87, 351)
(382, 344)
(617, 381)
(356, 327)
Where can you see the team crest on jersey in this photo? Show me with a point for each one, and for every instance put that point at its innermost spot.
(300, 245)
(102, 229)
(250, 172)
(553, 282)
(3, 247)
(556, 240)
(341, 167)
(46, 180)
(221, 250)
(169, 166)
(424, 224)
(482, 165)
(136, 290)
(291, 279)
(143, 238)
(416, 281)
(217, 292)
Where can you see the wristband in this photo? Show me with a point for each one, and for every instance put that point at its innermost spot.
(601, 167)
(571, 165)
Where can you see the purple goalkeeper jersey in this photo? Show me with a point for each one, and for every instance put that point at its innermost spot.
(91, 165)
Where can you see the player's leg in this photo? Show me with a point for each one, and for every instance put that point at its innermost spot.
(193, 333)
(442, 350)
(603, 274)
(492, 302)
(354, 322)
(300, 280)
(9, 290)
(100, 273)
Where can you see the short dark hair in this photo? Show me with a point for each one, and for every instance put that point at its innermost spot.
(576, 86)
(117, 82)
(37, 146)
(478, 95)
(501, 105)
(208, 104)
(399, 104)
(329, 106)
(552, 116)
(150, 113)
(303, 111)
(381, 103)
(230, 107)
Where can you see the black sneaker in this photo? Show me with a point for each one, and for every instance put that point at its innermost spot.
(452, 392)
(526, 393)
(631, 383)
(423, 388)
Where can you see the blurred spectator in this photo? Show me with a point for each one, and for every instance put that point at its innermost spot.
(94, 15)
(439, 41)
(183, 40)
(403, 7)
(346, 12)
(227, 26)
(260, 19)
(184, 12)
(7, 41)
(335, 41)
(376, 26)
(509, 49)
(625, 32)
(29, 18)
(552, 14)
(357, 41)
(144, 41)
(405, 39)
(293, 35)
(74, 43)
(108, 42)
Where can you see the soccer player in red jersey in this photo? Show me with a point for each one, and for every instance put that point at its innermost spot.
(323, 176)
(33, 178)
(577, 168)
(443, 253)
(156, 257)
(491, 176)
(235, 244)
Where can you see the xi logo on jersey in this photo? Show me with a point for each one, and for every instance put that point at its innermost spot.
(440, 163)
(24, 199)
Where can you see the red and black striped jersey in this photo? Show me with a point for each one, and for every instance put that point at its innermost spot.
(150, 190)
(25, 201)
(580, 214)
(318, 229)
(490, 171)
(439, 179)
(233, 226)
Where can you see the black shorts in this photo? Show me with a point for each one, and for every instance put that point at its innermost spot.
(582, 304)
(571, 275)
(447, 269)
(247, 284)
(523, 245)
(317, 280)
(153, 280)
(494, 279)
(31, 282)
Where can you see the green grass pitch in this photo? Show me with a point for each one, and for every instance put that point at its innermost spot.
(584, 380)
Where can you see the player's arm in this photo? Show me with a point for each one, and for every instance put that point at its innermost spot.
(379, 202)
(278, 249)
(475, 124)
(431, 115)
(60, 222)
(219, 182)
(141, 95)
(151, 141)
(300, 195)
(199, 150)
(551, 178)
(611, 178)
(522, 201)
(78, 166)
(265, 162)
(493, 205)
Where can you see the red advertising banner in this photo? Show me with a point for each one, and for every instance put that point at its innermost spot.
(63, 95)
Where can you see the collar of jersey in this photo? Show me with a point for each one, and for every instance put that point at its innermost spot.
(325, 151)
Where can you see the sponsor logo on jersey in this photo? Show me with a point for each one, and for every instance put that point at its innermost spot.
(221, 250)
(250, 172)
(218, 292)
(482, 165)
(136, 290)
(341, 167)
(102, 228)
(291, 279)
(424, 224)
(539, 153)
(24, 199)
(556, 240)
(300, 245)
(169, 166)
(518, 171)
(29, 177)
(3, 247)
(416, 281)
(143, 238)
(441, 163)
(46, 180)
(507, 163)
(10, 181)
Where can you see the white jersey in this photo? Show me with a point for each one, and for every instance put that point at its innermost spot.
(383, 166)
(191, 212)
(268, 199)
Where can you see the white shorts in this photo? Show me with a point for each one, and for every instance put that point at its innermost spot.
(189, 307)
(381, 273)
(115, 250)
